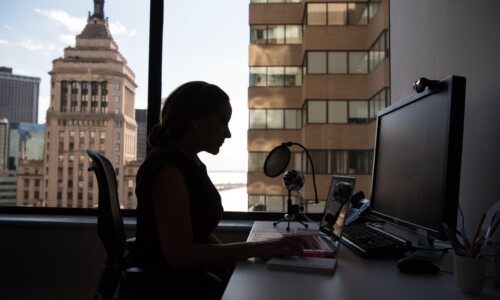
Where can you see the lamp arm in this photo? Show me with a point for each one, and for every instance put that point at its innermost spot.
(312, 167)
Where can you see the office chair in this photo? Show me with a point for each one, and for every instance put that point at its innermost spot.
(110, 227)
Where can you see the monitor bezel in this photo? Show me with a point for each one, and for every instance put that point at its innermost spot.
(454, 86)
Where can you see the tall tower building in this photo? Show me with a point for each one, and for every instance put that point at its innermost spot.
(4, 144)
(18, 97)
(319, 73)
(92, 106)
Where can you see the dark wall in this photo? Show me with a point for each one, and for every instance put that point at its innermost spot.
(50, 261)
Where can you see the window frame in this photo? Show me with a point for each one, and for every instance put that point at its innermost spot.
(21, 213)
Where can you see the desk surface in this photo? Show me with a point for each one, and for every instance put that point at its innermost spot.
(354, 278)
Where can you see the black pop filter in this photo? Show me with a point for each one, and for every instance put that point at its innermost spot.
(277, 160)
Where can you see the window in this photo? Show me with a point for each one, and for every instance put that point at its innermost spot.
(275, 119)
(316, 14)
(342, 13)
(276, 34)
(283, 107)
(275, 76)
(258, 34)
(337, 112)
(358, 62)
(316, 63)
(258, 76)
(337, 62)
(337, 14)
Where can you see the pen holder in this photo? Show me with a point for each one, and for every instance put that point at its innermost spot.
(469, 273)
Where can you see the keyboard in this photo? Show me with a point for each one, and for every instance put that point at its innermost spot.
(369, 241)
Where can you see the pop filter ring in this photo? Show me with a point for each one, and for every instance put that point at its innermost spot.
(270, 161)
(285, 147)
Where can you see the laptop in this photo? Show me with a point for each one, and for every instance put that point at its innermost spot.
(326, 241)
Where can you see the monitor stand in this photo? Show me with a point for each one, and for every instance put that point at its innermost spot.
(428, 248)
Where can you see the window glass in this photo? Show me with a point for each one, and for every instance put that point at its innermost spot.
(275, 76)
(337, 62)
(293, 76)
(274, 204)
(316, 14)
(373, 8)
(258, 34)
(316, 111)
(316, 62)
(358, 111)
(358, 13)
(339, 162)
(275, 118)
(257, 118)
(337, 112)
(256, 161)
(258, 76)
(337, 13)
(358, 62)
(293, 34)
(320, 161)
(276, 34)
(292, 119)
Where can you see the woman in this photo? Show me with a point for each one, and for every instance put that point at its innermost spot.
(179, 207)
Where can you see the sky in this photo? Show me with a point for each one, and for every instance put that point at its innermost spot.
(203, 40)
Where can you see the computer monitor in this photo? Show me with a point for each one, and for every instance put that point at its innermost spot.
(417, 159)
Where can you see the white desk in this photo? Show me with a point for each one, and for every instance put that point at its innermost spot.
(354, 278)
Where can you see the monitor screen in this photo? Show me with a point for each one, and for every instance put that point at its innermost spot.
(418, 153)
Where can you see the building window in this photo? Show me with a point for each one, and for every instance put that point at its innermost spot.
(337, 14)
(337, 62)
(358, 62)
(316, 63)
(342, 13)
(337, 112)
(275, 76)
(316, 14)
(275, 34)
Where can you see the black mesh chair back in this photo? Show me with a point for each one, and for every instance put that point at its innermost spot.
(110, 226)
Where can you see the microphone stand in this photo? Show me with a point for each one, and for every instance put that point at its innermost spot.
(292, 211)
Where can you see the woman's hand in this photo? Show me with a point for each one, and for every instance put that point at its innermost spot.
(284, 247)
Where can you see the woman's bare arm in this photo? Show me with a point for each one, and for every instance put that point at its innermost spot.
(172, 213)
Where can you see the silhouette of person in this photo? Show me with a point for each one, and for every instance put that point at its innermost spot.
(178, 206)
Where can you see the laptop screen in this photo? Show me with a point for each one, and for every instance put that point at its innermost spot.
(336, 207)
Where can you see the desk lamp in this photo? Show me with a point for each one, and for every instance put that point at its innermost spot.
(276, 162)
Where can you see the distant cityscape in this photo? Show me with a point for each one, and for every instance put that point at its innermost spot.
(304, 87)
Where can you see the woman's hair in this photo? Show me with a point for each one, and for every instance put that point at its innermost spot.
(190, 100)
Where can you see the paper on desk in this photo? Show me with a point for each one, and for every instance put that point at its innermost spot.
(264, 235)
(303, 264)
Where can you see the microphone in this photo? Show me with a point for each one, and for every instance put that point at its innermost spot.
(277, 160)
(293, 180)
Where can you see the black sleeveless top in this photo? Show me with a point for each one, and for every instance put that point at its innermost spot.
(205, 203)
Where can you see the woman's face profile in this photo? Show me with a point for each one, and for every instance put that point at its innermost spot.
(213, 129)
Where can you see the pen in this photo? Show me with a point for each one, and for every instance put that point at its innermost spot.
(476, 235)
(452, 237)
(479, 246)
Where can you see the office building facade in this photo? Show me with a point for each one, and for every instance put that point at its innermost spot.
(18, 96)
(91, 106)
(319, 72)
